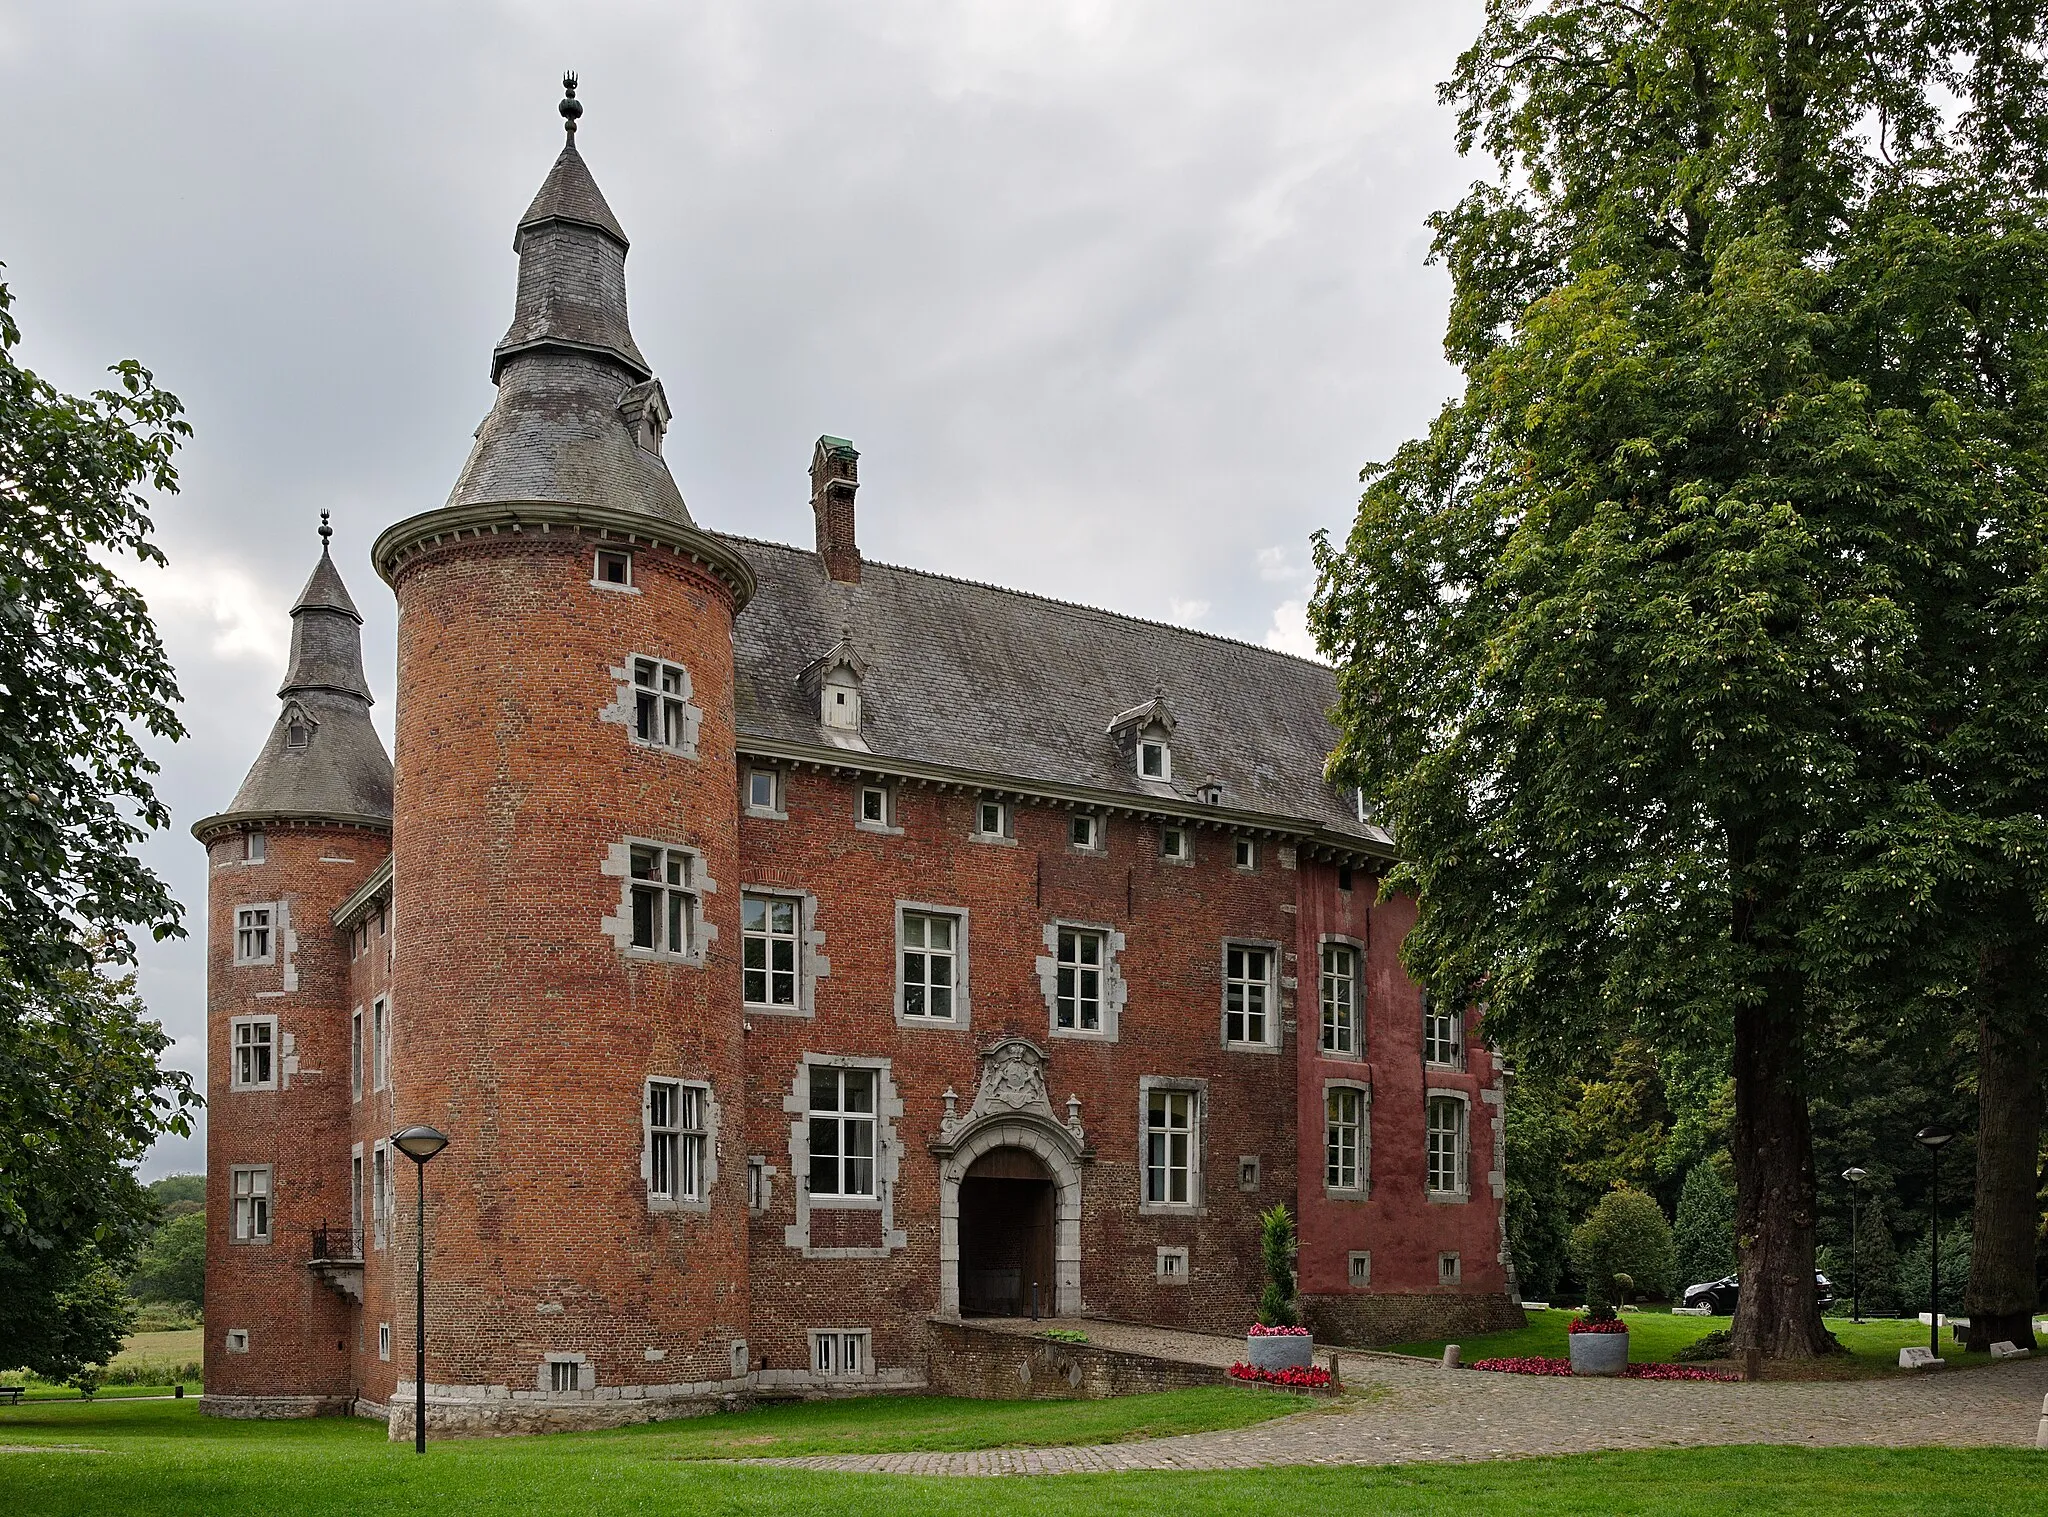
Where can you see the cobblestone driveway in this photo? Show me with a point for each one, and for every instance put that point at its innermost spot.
(1425, 1413)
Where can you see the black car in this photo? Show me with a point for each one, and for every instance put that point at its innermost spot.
(1719, 1296)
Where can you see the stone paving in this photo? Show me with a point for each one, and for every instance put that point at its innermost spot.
(1423, 1413)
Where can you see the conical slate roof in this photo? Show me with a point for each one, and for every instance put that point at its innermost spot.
(570, 194)
(323, 760)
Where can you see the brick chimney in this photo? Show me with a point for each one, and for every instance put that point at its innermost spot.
(835, 475)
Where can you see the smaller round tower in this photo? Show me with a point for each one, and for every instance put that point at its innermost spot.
(309, 825)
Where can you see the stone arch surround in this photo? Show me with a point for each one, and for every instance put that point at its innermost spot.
(1054, 1147)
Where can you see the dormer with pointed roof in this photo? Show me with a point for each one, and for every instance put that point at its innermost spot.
(323, 760)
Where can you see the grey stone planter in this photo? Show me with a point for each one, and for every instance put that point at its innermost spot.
(1598, 1353)
(1287, 1351)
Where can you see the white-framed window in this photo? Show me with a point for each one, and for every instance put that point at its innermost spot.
(841, 1353)
(1447, 1144)
(252, 1053)
(384, 1340)
(1341, 1021)
(1173, 844)
(1441, 1044)
(298, 730)
(380, 1044)
(254, 926)
(1448, 1271)
(355, 1054)
(1359, 1270)
(1345, 1138)
(612, 569)
(1084, 831)
(1170, 1265)
(254, 849)
(1155, 760)
(839, 702)
(380, 1194)
(676, 1140)
(238, 1340)
(1248, 995)
(992, 820)
(1077, 998)
(842, 1131)
(1172, 1134)
(664, 899)
(661, 705)
(563, 1375)
(874, 809)
(1245, 854)
(355, 1211)
(764, 791)
(771, 951)
(930, 981)
(249, 1185)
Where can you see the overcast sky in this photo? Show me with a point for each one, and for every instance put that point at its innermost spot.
(1115, 299)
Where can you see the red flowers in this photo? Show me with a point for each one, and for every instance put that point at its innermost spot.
(1588, 1325)
(1260, 1330)
(1314, 1378)
(1537, 1365)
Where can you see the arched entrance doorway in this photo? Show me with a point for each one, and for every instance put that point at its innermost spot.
(1008, 1221)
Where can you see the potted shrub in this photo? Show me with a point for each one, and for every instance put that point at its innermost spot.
(1599, 1342)
(1278, 1340)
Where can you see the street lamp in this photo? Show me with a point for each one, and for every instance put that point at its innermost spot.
(420, 1143)
(1934, 1139)
(1855, 1177)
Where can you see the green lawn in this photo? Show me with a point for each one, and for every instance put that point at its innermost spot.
(1655, 1337)
(162, 1457)
(182, 1344)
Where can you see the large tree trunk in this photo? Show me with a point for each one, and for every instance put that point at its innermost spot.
(1779, 1311)
(2006, 1223)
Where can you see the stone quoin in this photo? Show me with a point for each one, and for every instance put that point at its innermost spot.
(800, 952)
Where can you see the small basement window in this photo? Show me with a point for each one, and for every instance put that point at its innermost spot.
(1361, 1269)
(613, 568)
(562, 1375)
(1447, 1269)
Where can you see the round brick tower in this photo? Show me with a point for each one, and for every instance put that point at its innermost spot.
(565, 880)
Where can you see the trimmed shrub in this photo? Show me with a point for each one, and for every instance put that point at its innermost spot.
(1703, 1240)
(1276, 1253)
(1624, 1234)
(1874, 1272)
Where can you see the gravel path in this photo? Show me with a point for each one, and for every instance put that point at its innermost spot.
(1425, 1413)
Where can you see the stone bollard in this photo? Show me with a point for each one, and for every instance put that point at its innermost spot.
(1336, 1375)
(2041, 1432)
(1451, 1352)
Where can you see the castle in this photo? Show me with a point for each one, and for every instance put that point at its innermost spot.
(801, 953)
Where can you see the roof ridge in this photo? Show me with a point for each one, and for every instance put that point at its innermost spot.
(1050, 600)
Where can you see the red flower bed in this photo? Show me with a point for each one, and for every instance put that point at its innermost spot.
(1260, 1330)
(1315, 1378)
(1588, 1325)
(1538, 1365)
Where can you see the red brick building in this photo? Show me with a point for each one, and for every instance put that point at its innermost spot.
(795, 948)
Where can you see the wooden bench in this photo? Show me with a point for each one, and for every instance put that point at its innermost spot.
(13, 1393)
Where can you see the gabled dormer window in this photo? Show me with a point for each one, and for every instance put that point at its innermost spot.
(1145, 734)
(298, 728)
(840, 704)
(836, 677)
(644, 409)
(1155, 760)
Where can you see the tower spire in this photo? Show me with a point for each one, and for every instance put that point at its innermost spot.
(326, 533)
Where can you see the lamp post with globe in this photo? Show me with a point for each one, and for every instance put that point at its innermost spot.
(1934, 1138)
(420, 1143)
(1855, 1177)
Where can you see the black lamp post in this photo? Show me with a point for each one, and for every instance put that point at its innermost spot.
(1855, 1177)
(420, 1143)
(1934, 1139)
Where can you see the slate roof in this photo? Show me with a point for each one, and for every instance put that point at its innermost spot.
(570, 194)
(997, 682)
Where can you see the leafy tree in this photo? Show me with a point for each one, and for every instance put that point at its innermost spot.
(1631, 644)
(1276, 1254)
(83, 1091)
(1704, 1238)
(1625, 1234)
(178, 1195)
(172, 1265)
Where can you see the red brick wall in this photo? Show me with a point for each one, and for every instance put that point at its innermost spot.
(373, 954)
(299, 1327)
(522, 1030)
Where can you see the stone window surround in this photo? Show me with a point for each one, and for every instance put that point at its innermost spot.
(382, 1192)
(1449, 1269)
(708, 1177)
(963, 999)
(1363, 1190)
(1357, 947)
(1249, 865)
(1457, 1020)
(355, 1055)
(888, 826)
(378, 1052)
(1198, 1142)
(779, 781)
(618, 863)
(811, 964)
(625, 695)
(1100, 832)
(1116, 989)
(1007, 837)
(272, 932)
(1464, 1193)
(1177, 1252)
(866, 1338)
(586, 1375)
(1186, 857)
(1248, 1168)
(237, 1341)
(269, 1194)
(1358, 1269)
(1274, 983)
(276, 1045)
(384, 1341)
(760, 1184)
(888, 1156)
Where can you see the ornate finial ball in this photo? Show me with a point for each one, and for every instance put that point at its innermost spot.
(325, 531)
(570, 107)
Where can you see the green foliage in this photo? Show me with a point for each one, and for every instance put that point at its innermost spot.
(1718, 1344)
(74, 1321)
(172, 1265)
(1276, 1255)
(1066, 1335)
(1875, 1267)
(178, 1195)
(1914, 1284)
(1625, 1234)
(1703, 1241)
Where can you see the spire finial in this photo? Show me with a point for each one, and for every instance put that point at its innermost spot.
(570, 107)
(325, 533)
